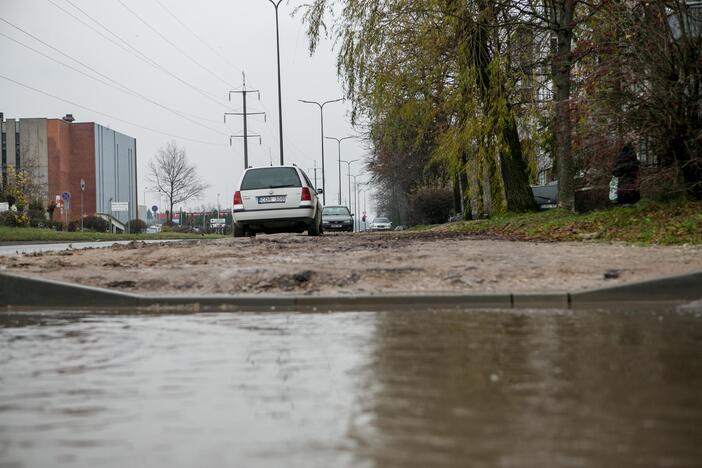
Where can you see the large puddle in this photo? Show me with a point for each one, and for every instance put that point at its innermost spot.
(396, 389)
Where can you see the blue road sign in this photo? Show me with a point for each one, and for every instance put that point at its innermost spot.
(154, 208)
(66, 196)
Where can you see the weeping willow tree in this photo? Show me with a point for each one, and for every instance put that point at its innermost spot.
(444, 54)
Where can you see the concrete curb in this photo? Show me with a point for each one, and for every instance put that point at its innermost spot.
(22, 291)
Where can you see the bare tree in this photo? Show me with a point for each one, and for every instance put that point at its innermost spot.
(174, 177)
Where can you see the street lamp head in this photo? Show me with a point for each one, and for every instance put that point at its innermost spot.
(320, 104)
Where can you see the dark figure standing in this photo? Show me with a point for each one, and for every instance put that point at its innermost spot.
(626, 169)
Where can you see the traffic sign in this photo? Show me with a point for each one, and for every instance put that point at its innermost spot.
(66, 196)
(82, 185)
(120, 206)
(154, 208)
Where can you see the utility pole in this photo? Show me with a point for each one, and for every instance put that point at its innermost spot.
(321, 117)
(244, 92)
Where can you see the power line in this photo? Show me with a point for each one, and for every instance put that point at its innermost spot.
(55, 49)
(136, 52)
(197, 36)
(174, 45)
(118, 86)
(224, 58)
(107, 115)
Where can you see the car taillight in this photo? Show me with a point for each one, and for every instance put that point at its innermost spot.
(237, 198)
(306, 196)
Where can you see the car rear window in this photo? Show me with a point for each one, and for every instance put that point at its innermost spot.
(270, 177)
(336, 211)
(381, 220)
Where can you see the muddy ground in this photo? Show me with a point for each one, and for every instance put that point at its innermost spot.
(357, 264)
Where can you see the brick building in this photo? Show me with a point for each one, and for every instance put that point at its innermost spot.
(61, 152)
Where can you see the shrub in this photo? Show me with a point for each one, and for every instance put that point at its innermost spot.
(57, 225)
(136, 226)
(36, 215)
(40, 223)
(95, 223)
(74, 226)
(431, 205)
(36, 205)
(14, 219)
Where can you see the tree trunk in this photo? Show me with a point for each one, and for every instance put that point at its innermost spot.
(170, 211)
(561, 69)
(518, 194)
(464, 187)
(475, 189)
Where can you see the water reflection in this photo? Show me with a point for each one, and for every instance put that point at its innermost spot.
(479, 388)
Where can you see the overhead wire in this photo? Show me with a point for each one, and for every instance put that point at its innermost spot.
(118, 86)
(172, 44)
(194, 34)
(137, 53)
(197, 36)
(210, 47)
(143, 127)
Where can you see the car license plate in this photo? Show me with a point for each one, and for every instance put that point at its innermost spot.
(271, 199)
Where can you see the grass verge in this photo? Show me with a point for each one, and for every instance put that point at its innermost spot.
(646, 223)
(27, 234)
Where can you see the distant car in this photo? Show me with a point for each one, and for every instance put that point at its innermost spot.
(337, 218)
(153, 229)
(276, 199)
(546, 196)
(381, 224)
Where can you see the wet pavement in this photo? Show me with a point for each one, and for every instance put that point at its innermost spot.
(396, 389)
(34, 248)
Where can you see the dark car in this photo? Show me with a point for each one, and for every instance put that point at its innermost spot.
(337, 218)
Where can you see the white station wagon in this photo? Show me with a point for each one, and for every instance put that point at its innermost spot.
(276, 199)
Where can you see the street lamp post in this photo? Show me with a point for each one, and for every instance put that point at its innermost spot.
(365, 212)
(280, 103)
(321, 116)
(339, 140)
(362, 210)
(355, 192)
(348, 172)
(315, 173)
(360, 191)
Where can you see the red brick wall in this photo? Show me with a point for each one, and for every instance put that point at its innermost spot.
(71, 149)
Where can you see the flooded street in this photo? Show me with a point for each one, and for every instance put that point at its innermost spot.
(395, 389)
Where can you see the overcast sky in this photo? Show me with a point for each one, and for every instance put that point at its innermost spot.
(217, 40)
